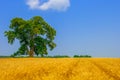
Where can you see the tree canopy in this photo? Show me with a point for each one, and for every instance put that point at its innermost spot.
(35, 36)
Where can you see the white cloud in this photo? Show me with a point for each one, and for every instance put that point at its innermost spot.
(60, 5)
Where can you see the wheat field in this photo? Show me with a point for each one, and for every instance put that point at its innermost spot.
(59, 68)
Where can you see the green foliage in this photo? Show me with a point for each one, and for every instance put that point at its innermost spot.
(34, 35)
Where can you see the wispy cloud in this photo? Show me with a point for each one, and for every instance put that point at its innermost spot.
(59, 5)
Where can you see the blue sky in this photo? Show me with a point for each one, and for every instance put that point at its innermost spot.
(83, 26)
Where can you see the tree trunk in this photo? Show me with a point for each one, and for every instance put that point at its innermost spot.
(31, 51)
(42, 55)
(31, 54)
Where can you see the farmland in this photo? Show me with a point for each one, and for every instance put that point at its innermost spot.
(59, 68)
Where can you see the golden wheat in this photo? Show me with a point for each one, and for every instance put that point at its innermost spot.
(59, 69)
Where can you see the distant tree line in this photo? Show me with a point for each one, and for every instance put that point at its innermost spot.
(77, 56)
(66, 56)
(55, 56)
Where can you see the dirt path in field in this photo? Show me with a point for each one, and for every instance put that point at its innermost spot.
(108, 72)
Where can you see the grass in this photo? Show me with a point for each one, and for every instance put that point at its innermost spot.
(59, 68)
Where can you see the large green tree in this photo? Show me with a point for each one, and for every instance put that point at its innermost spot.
(35, 35)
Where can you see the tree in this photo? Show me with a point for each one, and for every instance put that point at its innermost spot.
(35, 35)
